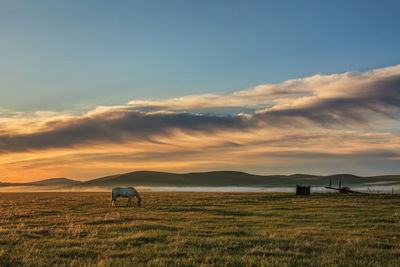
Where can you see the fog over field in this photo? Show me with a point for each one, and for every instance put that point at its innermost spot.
(219, 181)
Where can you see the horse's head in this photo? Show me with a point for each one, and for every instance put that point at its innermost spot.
(139, 202)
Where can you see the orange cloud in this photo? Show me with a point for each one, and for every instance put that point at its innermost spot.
(316, 123)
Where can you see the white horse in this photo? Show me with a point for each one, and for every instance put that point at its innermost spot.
(129, 192)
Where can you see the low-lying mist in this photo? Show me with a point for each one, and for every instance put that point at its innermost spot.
(317, 189)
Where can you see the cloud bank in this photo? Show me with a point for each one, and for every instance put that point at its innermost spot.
(363, 107)
(116, 126)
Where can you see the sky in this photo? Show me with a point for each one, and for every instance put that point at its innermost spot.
(93, 88)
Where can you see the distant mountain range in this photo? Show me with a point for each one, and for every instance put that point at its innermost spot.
(214, 179)
(46, 182)
(229, 178)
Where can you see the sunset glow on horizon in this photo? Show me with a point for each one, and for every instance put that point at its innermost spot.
(318, 124)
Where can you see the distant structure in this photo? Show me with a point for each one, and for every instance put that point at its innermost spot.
(303, 190)
(341, 189)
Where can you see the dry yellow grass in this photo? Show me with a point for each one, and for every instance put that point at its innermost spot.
(206, 229)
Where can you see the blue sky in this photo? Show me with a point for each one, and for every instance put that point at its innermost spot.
(61, 55)
(94, 88)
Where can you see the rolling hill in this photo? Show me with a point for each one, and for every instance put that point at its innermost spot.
(229, 178)
(208, 179)
(45, 182)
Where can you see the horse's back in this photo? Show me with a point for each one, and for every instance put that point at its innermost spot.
(116, 190)
(128, 191)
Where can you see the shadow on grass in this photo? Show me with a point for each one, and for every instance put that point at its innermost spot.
(77, 252)
(220, 212)
(18, 217)
(160, 227)
(6, 260)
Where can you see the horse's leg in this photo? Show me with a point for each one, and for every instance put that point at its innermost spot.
(112, 203)
(130, 201)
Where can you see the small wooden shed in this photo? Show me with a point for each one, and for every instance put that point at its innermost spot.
(303, 190)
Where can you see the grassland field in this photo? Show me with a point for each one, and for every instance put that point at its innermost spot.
(200, 229)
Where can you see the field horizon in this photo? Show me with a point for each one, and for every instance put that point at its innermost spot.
(154, 179)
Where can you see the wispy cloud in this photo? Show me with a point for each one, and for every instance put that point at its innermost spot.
(336, 115)
(115, 126)
(324, 99)
(356, 99)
